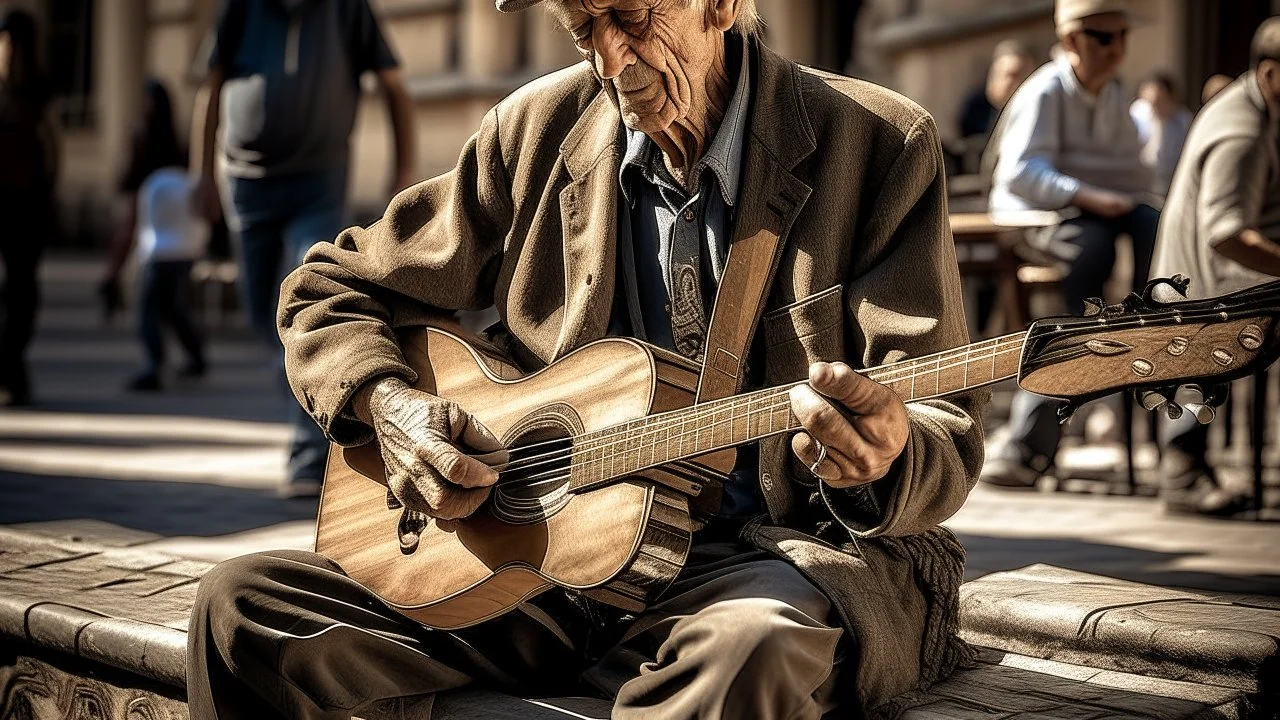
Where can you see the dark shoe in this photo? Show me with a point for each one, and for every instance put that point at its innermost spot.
(1205, 498)
(1009, 474)
(193, 369)
(299, 489)
(146, 382)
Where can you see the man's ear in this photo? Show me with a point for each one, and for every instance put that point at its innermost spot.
(722, 14)
(1070, 42)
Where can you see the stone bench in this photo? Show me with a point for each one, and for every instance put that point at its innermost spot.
(98, 631)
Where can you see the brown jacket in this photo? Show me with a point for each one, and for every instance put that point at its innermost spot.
(848, 173)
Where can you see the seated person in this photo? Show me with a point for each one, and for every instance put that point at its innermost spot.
(571, 209)
(1221, 228)
(1067, 141)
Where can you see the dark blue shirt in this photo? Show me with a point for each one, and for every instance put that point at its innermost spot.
(657, 214)
(292, 81)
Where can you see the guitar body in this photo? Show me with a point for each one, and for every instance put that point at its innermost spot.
(622, 543)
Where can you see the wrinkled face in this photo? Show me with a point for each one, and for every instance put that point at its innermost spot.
(653, 56)
(1100, 46)
(1007, 73)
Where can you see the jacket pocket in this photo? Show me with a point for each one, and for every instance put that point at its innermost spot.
(806, 331)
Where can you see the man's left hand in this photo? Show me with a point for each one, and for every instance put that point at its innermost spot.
(862, 438)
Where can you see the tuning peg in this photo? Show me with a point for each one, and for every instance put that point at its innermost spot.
(1151, 400)
(1163, 291)
(1094, 306)
(1173, 410)
(1215, 395)
(1065, 411)
(1204, 414)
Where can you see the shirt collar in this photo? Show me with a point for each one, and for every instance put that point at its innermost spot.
(724, 155)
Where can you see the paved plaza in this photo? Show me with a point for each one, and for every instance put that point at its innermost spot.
(195, 467)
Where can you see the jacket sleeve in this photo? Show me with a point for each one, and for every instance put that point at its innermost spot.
(1029, 147)
(905, 301)
(438, 247)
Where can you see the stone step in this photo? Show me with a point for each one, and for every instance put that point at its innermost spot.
(1220, 639)
(80, 619)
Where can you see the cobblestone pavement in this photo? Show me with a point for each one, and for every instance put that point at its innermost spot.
(196, 467)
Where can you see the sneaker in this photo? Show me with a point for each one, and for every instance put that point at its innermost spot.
(299, 489)
(146, 382)
(1205, 498)
(1009, 474)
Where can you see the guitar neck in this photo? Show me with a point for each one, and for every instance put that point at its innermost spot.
(606, 455)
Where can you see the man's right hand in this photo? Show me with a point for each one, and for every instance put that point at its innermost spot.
(1104, 203)
(421, 437)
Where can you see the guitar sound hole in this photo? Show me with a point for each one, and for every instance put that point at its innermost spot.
(535, 484)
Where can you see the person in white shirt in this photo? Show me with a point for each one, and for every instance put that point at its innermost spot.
(1067, 143)
(167, 234)
(1163, 124)
(170, 238)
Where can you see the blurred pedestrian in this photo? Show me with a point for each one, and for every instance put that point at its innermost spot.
(1067, 141)
(167, 234)
(1162, 124)
(1011, 63)
(28, 173)
(1214, 85)
(1221, 228)
(285, 75)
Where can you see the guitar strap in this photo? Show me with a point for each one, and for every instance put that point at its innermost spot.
(740, 299)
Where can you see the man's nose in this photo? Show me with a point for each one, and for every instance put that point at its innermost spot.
(612, 53)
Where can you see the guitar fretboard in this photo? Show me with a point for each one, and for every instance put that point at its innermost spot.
(625, 449)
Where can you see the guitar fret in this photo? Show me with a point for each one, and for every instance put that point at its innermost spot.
(657, 440)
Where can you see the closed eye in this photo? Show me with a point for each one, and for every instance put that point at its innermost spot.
(633, 22)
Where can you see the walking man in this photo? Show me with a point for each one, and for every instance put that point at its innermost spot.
(282, 92)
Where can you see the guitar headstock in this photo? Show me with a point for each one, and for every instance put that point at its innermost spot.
(1155, 342)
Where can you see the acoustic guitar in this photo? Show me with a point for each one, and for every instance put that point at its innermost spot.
(607, 449)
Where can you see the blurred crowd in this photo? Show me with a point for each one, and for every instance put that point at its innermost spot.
(268, 156)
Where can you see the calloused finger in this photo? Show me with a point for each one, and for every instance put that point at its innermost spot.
(808, 452)
(455, 466)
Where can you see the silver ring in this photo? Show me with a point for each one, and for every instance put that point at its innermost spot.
(822, 455)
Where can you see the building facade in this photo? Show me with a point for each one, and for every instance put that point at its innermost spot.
(459, 57)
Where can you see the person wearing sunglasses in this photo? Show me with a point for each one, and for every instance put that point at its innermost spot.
(1067, 143)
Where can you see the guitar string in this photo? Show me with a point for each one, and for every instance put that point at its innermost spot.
(766, 396)
(739, 402)
(705, 414)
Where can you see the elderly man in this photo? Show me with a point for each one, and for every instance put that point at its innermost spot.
(1221, 228)
(1067, 142)
(581, 196)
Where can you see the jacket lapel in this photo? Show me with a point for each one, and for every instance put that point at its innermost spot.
(779, 137)
(592, 153)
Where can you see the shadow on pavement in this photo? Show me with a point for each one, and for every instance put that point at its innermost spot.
(987, 554)
(166, 508)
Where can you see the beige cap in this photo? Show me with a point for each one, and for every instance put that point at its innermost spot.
(1070, 12)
